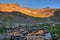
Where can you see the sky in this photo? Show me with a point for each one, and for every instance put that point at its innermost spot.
(35, 3)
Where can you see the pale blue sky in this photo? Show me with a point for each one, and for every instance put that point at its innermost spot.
(35, 3)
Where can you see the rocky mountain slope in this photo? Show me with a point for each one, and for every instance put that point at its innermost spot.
(25, 19)
(28, 15)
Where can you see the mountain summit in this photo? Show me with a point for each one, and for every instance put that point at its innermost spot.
(38, 13)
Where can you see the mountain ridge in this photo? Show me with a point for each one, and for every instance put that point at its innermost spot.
(38, 13)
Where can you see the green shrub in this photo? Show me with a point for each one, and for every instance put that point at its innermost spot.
(50, 28)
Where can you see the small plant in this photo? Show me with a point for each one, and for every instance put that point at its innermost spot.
(50, 28)
(2, 29)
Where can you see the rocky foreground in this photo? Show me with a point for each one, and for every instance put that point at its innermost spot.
(29, 32)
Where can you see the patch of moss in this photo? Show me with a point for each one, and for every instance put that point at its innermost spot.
(50, 28)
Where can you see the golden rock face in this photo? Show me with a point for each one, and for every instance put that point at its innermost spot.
(38, 13)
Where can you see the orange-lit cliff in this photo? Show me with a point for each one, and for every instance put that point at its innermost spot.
(39, 13)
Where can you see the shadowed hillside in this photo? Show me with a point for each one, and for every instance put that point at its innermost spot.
(25, 19)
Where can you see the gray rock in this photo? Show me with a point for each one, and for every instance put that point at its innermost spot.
(22, 30)
(53, 24)
(17, 24)
(58, 39)
(55, 36)
(48, 36)
(30, 29)
(17, 37)
(35, 29)
(4, 37)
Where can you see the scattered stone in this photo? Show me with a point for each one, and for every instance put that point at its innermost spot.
(4, 37)
(30, 29)
(58, 38)
(55, 36)
(48, 36)
(34, 37)
(23, 32)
